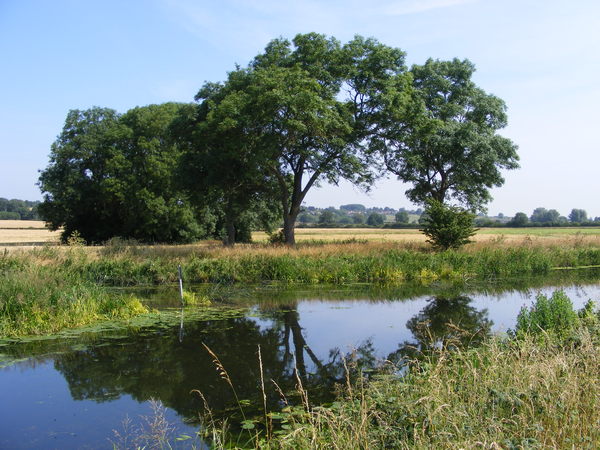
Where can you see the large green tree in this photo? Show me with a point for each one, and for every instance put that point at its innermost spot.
(445, 142)
(305, 110)
(111, 175)
(221, 166)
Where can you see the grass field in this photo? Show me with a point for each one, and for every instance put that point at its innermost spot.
(28, 233)
(25, 233)
(548, 235)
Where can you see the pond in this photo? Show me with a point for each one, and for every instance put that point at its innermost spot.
(102, 386)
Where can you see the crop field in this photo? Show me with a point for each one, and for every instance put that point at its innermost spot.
(21, 233)
(542, 235)
(25, 233)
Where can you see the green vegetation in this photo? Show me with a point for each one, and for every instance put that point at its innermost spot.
(311, 263)
(45, 290)
(114, 175)
(301, 113)
(447, 226)
(444, 142)
(554, 318)
(18, 209)
(509, 393)
(44, 299)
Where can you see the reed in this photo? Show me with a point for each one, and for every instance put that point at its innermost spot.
(519, 392)
(43, 299)
(310, 264)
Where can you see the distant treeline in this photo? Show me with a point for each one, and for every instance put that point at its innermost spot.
(18, 209)
(357, 215)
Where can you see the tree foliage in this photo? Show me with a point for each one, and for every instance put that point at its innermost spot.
(543, 215)
(303, 112)
(578, 215)
(447, 226)
(402, 217)
(445, 142)
(111, 175)
(375, 219)
(305, 109)
(15, 209)
(220, 165)
(520, 220)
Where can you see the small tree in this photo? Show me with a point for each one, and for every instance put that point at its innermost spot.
(402, 217)
(375, 219)
(520, 220)
(447, 226)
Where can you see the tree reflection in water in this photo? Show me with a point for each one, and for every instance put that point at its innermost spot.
(446, 322)
(167, 365)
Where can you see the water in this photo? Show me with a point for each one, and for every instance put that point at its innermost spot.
(73, 393)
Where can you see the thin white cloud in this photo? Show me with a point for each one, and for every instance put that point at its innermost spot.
(406, 7)
(175, 90)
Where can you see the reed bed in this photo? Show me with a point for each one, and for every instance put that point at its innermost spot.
(44, 299)
(536, 388)
(316, 263)
(515, 394)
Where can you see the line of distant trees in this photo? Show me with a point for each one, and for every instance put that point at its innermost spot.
(541, 217)
(18, 209)
(357, 215)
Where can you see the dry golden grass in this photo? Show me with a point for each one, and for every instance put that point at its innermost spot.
(497, 236)
(21, 224)
(16, 236)
(25, 232)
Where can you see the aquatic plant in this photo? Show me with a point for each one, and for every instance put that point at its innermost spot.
(45, 299)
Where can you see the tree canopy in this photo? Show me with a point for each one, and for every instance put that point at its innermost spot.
(578, 215)
(305, 109)
(445, 143)
(543, 215)
(113, 175)
(303, 112)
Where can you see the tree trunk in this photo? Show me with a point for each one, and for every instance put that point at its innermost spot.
(229, 239)
(289, 234)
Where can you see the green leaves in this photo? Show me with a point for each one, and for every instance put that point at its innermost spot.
(445, 143)
(114, 175)
(447, 226)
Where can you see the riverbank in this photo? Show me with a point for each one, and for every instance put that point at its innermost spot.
(536, 389)
(51, 288)
(40, 299)
(314, 263)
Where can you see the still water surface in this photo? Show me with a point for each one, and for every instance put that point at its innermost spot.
(73, 393)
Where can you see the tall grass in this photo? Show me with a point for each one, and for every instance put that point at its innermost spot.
(324, 264)
(44, 299)
(51, 288)
(515, 394)
(519, 392)
(310, 264)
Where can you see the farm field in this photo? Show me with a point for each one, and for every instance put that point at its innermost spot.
(542, 235)
(25, 233)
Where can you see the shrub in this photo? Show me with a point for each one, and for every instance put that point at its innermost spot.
(447, 226)
(553, 316)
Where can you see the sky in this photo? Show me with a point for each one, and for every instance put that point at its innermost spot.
(542, 57)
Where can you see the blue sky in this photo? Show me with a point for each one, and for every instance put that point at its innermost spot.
(541, 57)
